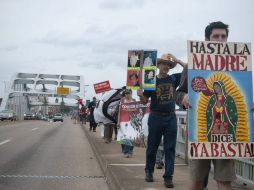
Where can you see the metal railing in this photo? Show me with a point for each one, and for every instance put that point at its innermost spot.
(181, 145)
(244, 167)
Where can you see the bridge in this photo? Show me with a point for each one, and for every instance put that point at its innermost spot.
(26, 90)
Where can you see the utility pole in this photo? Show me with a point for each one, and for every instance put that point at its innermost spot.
(86, 85)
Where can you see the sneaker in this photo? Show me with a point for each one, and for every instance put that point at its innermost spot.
(159, 166)
(94, 130)
(149, 177)
(126, 155)
(169, 183)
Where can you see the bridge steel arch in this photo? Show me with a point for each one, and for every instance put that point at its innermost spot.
(25, 85)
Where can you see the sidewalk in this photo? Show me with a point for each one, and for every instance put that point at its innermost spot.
(128, 173)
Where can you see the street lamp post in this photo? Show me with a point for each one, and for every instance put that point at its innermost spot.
(86, 85)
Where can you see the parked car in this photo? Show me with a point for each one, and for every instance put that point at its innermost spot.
(7, 115)
(45, 117)
(58, 117)
(29, 116)
(39, 116)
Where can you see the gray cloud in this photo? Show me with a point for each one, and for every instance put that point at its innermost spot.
(9, 48)
(123, 4)
(110, 47)
(59, 39)
(90, 37)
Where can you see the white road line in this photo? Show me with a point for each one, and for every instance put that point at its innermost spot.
(34, 129)
(50, 177)
(8, 140)
(140, 164)
(180, 164)
(126, 164)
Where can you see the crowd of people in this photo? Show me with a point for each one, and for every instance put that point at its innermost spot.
(162, 123)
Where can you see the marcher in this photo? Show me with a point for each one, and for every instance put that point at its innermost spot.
(85, 114)
(224, 172)
(127, 146)
(108, 132)
(91, 107)
(162, 119)
(115, 132)
(75, 116)
(82, 113)
(160, 156)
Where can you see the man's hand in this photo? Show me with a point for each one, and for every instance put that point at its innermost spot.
(143, 99)
(140, 92)
(185, 101)
(175, 60)
(171, 57)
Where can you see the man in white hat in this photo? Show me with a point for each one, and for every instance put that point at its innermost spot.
(162, 119)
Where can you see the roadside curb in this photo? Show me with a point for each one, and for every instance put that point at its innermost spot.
(110, 177)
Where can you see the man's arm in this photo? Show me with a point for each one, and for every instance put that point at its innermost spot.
(177, 61)
(143, 99)
(182, 92)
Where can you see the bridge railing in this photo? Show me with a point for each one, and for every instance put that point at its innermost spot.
(244, 167)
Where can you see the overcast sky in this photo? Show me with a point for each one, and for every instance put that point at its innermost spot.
(92, 37)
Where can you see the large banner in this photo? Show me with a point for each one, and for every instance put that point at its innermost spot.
(133, 123)
(220, 93)
(142, 66)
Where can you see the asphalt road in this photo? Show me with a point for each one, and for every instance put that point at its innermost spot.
(45, 155)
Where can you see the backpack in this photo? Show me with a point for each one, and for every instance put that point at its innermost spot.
(106, 110)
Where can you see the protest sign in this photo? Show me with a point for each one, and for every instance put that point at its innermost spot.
(142, 67)
(133, 123)
(220, 92)
(102, 87)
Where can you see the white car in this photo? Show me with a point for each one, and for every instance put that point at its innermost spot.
(29, 116)
(58, 117)
(7, 115)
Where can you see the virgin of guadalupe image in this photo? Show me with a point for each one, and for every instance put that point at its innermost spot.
(221, 110)
(221, 115)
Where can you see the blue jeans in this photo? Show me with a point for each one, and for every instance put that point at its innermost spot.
(159, 157)
(127, 147)
(157, 126)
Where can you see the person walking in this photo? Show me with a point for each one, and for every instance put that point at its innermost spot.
(162, 119)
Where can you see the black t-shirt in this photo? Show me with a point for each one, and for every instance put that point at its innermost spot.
(92, 106)
(163, 98)
(183, 86)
